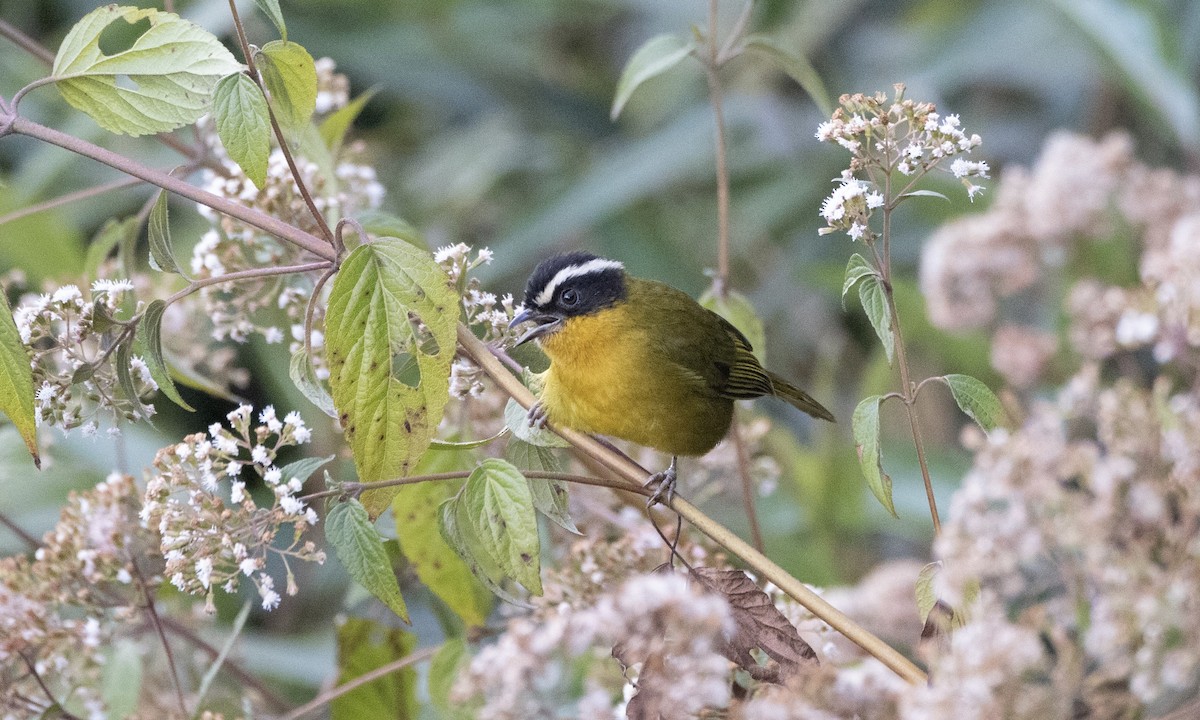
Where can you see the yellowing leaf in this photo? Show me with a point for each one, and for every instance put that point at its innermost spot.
(365, 645)
(16, 380)
(162, 81)
(290, 75)
(389, 339)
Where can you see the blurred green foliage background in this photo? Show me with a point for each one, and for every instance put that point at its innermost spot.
(491, 126)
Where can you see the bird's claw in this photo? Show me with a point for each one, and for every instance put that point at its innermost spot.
(537, 417)
(664, 486)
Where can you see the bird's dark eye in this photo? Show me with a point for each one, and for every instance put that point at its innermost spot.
(569, 297)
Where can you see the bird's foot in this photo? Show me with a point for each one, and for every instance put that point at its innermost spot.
(537, 416)
(663, 484)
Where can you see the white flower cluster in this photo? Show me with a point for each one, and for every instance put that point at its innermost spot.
(902, 136)
(207, 543)
(481, 309)
(71, 340)
(669, 633)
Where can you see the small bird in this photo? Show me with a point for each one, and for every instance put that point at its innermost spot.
(639, 360)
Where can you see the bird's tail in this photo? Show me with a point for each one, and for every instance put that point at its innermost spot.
(799, 399)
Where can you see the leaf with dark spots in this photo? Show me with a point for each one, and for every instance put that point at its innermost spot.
(759, 624)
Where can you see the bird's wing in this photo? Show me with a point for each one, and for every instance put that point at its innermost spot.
(745, 378)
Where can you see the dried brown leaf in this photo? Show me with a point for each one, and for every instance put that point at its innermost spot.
(650, 701)
(759, 625)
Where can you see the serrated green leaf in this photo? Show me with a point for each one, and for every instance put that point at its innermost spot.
(360, 550)
(417, 509)
(162, 81)
(459, 534)
(150, 329)
(290, 75)
(656, 56)
(549, 496)
(334, 128)
(926, 598)
(976, 400)
(107, 239)
(304, 376)
(516, 419)
(244, 125)
(796, 66)
(270, 8)
(498, 505)
(443, 671)
(390, 378)
(865, 427)
(158, 230)
(875, 304)
(16, 380)
(856, 269)
(121, 679)
(740, 313)
(303, 469)
(365, 645)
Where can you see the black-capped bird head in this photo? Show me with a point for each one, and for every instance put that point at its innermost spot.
(567, 286)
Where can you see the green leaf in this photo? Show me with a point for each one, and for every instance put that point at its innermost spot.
(549, 496)
(162, 255)
(334, 128)
(107, 239)
(390, 375)
(796, 66)
(163, 80)
(16, 380)
(976, 400)
(516, 419)
(365, 645)
(304, 376)
(865, 426)
(875, 304)
(443, 671)
(270, 8)
(360, 549)
(244, 125)
(459, 534)
(121, 679)
(740, 313)
(926, 598)
(417, 510)
(498, 506)
(384, 224)
(122, 364)
(658, 55)
(303, 469)
(150, 329)
(290, 75)
(856, 269)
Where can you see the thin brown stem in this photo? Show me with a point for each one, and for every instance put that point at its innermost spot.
(70, 198)
(250, 216)
(355, 488)
(747, 482)
(262, 272)
(152, 612)
(329, 695)
(26, 43)
(283, 145)
(711, 66)
(635, 476)
(42, 684)
(243, 676)
(20, 532)
(908, 390)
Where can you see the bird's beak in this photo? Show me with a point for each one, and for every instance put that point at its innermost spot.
(545, 323)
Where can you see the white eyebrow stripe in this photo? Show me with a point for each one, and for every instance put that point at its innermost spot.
(596, 265)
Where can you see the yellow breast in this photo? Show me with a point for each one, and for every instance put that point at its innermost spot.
(607, 377)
